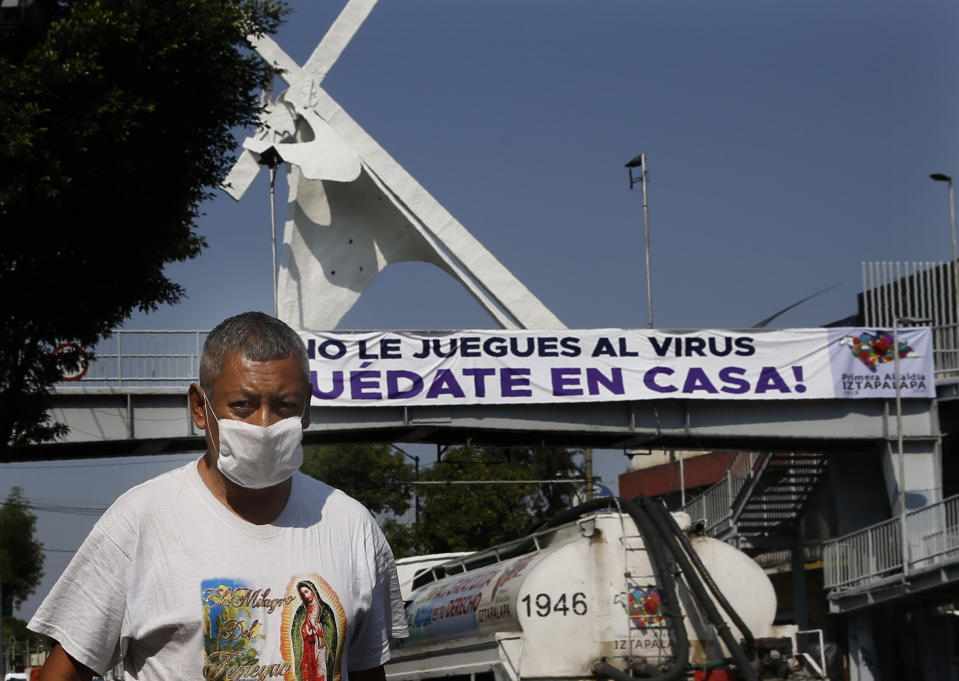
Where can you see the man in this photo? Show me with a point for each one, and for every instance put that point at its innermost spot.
(234, 566)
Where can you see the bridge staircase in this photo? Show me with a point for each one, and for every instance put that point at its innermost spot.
(761, 500)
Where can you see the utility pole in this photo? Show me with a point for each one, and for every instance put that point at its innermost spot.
(942, 177)
(588, 460)
(3, 658)
(416, 471)
(640, 162)
(903, 529)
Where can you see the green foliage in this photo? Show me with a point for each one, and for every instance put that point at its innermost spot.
(403, 538)
(21, 556)
(117, 126)
(454, 517)
(472, 517)
(370, 473)
(18, 640)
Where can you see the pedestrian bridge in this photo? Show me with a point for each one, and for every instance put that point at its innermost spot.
(132, 400)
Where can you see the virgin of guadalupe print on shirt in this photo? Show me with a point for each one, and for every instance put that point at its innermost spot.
(314, 627)
(256, 632)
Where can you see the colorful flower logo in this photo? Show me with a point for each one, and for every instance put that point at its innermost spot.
(643, 606)
(873, 349)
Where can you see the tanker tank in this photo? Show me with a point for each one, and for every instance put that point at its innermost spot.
(613, 589)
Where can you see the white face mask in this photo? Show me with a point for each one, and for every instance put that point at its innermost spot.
(256, 456)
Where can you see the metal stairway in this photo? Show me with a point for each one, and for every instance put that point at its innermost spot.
(761, 498)
(776, 498)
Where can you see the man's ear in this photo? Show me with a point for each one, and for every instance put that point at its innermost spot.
(306, 409)
(197, 406)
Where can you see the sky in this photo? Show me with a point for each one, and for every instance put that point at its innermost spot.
(786, 144)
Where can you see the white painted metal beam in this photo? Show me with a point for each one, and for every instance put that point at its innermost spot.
(353, 209)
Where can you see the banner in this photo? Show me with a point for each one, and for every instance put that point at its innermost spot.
(388, 368)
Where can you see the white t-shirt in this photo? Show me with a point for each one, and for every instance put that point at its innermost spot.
(178, 587)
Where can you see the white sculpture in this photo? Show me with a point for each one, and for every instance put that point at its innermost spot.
(353, 208)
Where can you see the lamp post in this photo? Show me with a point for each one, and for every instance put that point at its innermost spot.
(896, 320)
(271, 159)
(942, 177)
(416, 472)
(640, 162)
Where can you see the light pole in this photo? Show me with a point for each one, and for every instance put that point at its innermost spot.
(271, 159)
(640, 162)
(902, 458)
(588, 465)
(942, 177)
(416, 472)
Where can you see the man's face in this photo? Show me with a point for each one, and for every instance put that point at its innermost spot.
(260, 393)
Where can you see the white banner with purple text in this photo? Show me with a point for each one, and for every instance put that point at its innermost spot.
(381, 368)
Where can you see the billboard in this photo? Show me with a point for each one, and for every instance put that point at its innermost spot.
(381, 368)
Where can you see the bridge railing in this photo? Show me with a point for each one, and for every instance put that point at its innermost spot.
(715, 505)
(143, 358)
(171, 358)
(921, 290)
(945, 343)
(875, 552)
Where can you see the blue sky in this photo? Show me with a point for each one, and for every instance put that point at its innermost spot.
(786, 143)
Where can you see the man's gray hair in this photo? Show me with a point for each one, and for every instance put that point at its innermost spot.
(255, 336)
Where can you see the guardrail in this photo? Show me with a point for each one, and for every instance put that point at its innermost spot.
(945, 343)
(875, 553)
(143, 358)
(715, 505)
(171, 358)
(921, 290)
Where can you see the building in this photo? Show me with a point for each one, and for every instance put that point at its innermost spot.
(888, 608)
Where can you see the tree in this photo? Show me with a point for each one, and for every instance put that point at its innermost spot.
(453, 517)
(402, 538)
(117, 119)
(18, 640)
(21, 555)
(373, 474)
(472, 517)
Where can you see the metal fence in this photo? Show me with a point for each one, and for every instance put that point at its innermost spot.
(171, 358)
(876, 552)
(144, 358)
(945, 343)
(715, 505)
(918, 290)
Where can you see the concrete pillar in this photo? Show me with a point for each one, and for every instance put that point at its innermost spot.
(863, 665)
(923, 467)
(858, 487)
(799, 584)
(932, 632)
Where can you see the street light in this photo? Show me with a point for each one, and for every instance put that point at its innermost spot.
(896, 320)
(640, 162)
(942, 177)
(416, 471)
(271, 159)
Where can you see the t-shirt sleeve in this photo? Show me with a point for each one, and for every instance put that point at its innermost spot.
(392, 596)
(84, 611)
(386, 618)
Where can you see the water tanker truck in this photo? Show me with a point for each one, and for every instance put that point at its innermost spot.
(614, 589)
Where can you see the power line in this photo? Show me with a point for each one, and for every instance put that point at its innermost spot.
(69, 509)
(14, 466)
(494, 482)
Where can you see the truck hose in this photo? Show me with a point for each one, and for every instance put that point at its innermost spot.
(696, 585)
(665, 581)
(706, 577)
